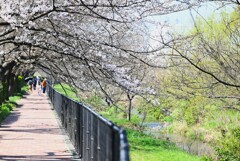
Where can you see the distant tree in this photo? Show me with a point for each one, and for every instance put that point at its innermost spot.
(208, 58)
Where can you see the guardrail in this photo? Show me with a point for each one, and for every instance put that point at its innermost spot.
(94, 137)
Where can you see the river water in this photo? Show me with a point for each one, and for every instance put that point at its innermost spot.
(195, 147)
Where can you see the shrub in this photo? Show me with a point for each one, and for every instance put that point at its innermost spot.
(228, 147)
(4, 111)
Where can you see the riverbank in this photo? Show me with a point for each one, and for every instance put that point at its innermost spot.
(145, 147)
(195, 147)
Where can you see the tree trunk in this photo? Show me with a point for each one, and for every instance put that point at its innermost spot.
(130, 98)
(7, 79)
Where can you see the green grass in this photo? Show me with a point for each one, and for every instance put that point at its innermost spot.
(66, 90)
(145, 148)
(8, 106)
(92, 101)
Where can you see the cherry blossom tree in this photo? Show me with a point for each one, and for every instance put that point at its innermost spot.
(85, 43)
(78, 41)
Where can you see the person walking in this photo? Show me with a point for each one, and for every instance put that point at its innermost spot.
(30, 82)
(38, 80)
(34, 83)
(44, 85)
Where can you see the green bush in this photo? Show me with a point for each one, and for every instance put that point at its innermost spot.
(95, 102)
(228, 148)
(168, 119)
(204, 158)
(7, 106)
(19, 84)
(4, 111)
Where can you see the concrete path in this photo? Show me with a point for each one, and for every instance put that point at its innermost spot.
(32, 132)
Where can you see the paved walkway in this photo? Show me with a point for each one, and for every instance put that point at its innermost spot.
(32, 132)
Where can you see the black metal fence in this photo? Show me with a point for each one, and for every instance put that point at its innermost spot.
(94, 137)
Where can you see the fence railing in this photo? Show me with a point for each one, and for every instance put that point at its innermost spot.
(94, 137)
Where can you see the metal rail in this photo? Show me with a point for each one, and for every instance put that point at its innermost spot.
(94, 137)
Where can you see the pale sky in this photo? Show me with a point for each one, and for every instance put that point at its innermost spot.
(184, 20)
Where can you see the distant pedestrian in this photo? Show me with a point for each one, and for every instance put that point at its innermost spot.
(34, 83)
(38, 80)
(41, 82)
(30, 82)
(44, 85)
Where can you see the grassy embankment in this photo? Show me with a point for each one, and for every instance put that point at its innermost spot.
(142, 147)
(8, 106)
(68, 91)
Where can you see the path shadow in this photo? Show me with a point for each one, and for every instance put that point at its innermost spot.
(49, 156)
(36, 108)
(37, 99)
(13, 117)
(35, 103)
(53, 131)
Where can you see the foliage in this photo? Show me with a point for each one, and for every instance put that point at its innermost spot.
(201, 89)
(228, 147)
(66, 90)
(7, 106)
(94, 101)
(144, 147)
(4, 111)
(89, 44)
(212, 54)
(83, 43)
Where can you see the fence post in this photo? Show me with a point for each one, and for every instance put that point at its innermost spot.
(124, 151)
